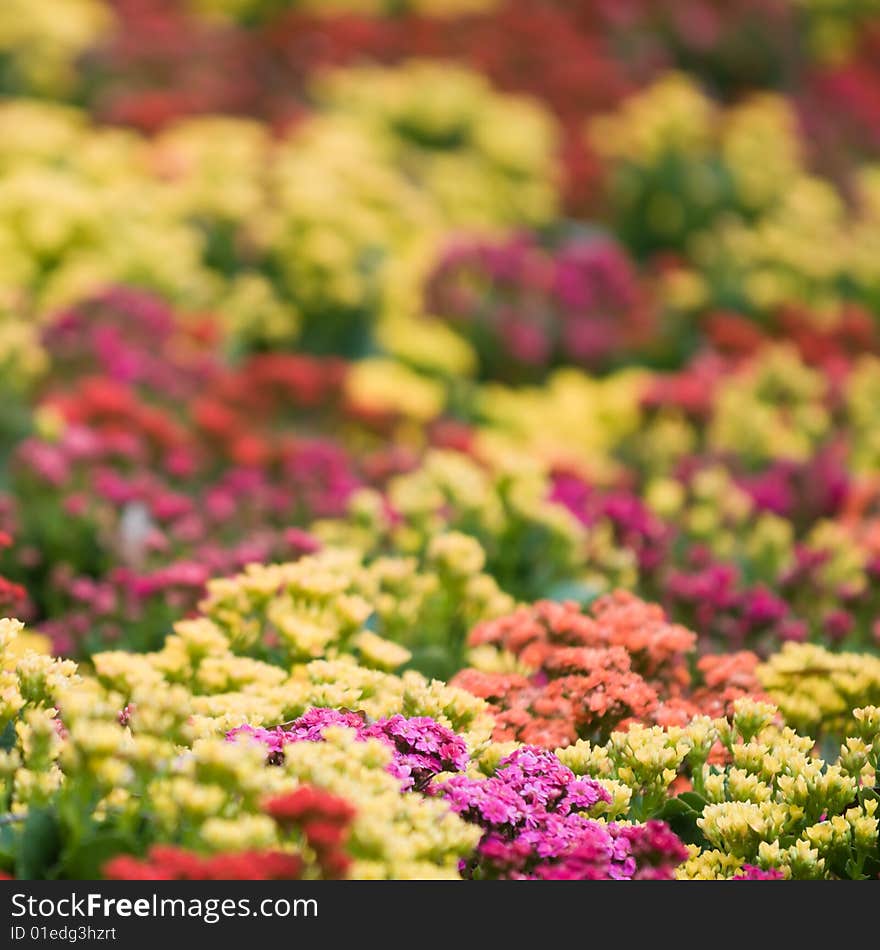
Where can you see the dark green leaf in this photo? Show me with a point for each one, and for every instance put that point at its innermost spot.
(695, 801)
(674, 808)
(7, 736)
(7, 844)
(681, 815)
(38, 845)
(85, 861)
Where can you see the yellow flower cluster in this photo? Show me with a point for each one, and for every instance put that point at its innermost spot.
(732, 188)
(395, 158)
(30, 686)
(644, 761)
(348, 225)
(26, 676)
(505, 507)
(417, 150)
(318, 607)
(670, 115)
(760, 144)
(714, 510)
(844, 564)
(774, 408)
(223, 690)
(797, 252)
(573, 421)
(816, 690)
(40, 41)
(485, 158)
(769, 802)
(386, 387)
(862, 394)
(78, 210)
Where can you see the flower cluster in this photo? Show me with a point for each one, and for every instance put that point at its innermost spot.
(525, 309)
(532, 812)
(387, 611)
(250, 11)
(729, 193)
(219, 213)
(736, 492)
(583, 676)
(210, 64)
(422, 747)
(817, 690)
(757, 796)
(41, 42)
(463, 517)
(175, 864)
(321, 819)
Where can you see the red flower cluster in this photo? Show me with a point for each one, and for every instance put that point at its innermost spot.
(595, 673)
(323, 819)
(13, 597)
(852, 334)
(168, 863)
(314, 817)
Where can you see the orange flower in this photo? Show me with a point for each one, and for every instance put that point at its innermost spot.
(595, 673)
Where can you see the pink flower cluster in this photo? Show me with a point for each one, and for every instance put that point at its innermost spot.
(525, 307)
(422, 747)
(530, 811)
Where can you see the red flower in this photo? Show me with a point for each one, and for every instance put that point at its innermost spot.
(308, 804)
(164, 863)
(324, 821)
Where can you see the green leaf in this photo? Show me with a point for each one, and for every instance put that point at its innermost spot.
(674, 808)
(695, 801)
(8, 736)
(38, 845)
(86, 859)
(872, 866)
(681, 815)
(869, 793)
(7, 845)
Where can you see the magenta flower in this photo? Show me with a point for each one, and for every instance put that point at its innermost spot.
(532, 814)
(422, 747)
(749, 872)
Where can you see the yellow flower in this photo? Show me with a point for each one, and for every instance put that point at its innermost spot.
(386, 387)
(380, 653)
(42, 40)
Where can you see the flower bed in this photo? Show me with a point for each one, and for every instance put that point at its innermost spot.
(439, 440)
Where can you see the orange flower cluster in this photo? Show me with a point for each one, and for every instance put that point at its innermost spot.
(594, 673)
